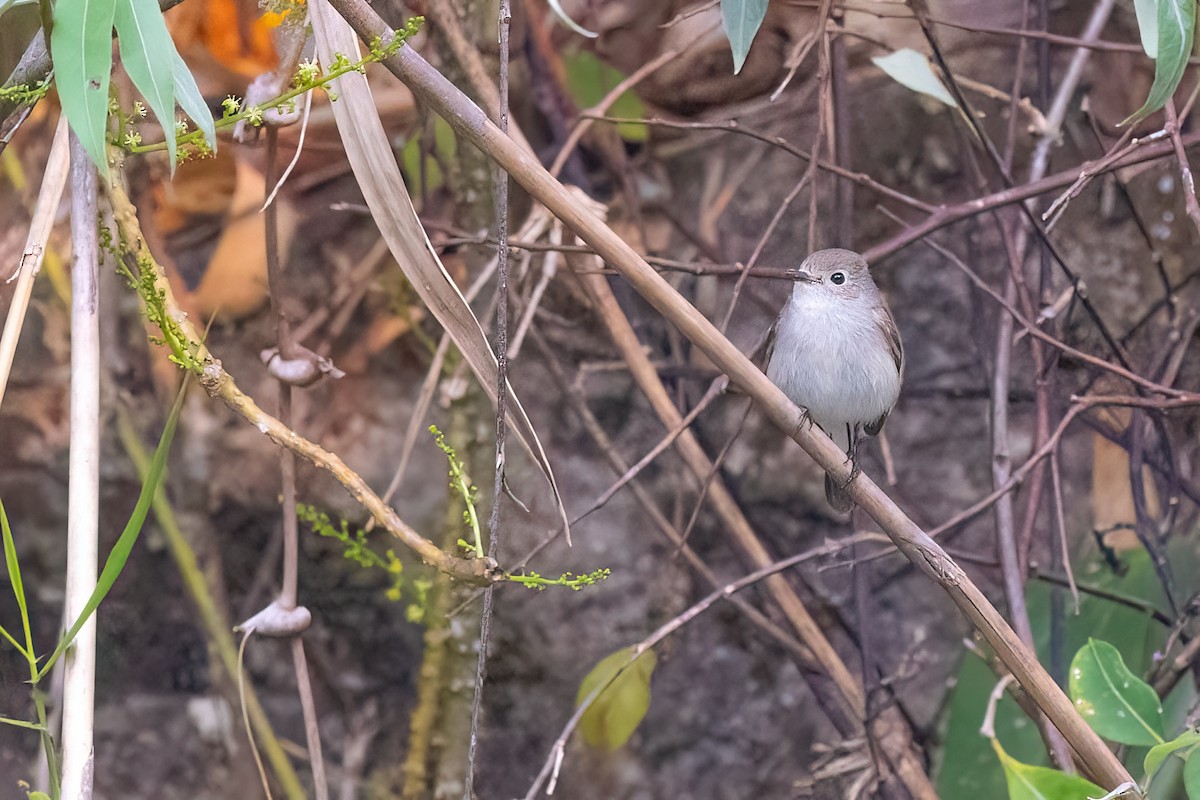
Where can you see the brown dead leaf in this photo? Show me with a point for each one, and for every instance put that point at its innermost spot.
(211, 238)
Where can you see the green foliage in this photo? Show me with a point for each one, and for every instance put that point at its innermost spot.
(1026, 782)
(460, 484)
(589, 79)
(1191, 775)
(415, 612)
(81, 45)
(1147, 20)
(147, 53)
(18, 589)
(1117, 704)
(966, 765)
(623, 683)
(1176, 20)
(742, 19)
(1159, 753)
(187, 93)
(533, 580)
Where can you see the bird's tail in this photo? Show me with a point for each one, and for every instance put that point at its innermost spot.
(836, 495)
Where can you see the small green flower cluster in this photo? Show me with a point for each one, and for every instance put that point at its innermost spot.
(24, 93)
(533, 580)
(461, 484)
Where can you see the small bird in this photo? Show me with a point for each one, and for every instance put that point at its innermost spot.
(837, 353)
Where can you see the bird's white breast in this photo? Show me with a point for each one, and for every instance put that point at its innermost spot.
(831, 357)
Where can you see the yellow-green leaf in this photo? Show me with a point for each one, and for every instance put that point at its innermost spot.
(1158, 753)
(1027, 782)
(1191, 776)
(624, 685)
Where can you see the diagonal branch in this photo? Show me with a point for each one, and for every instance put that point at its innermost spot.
(470, 122)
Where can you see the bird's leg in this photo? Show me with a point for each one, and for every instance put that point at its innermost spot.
(852, 436)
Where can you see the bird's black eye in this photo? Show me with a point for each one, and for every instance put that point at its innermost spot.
(838, 278)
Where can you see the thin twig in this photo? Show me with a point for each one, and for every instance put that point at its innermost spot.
(1148, 148)
(1185, 170)
(1061, 527)
(592, 114)
(715, 390)
(504, 23)
(1058, 344)
(734, 126)
(288, 595)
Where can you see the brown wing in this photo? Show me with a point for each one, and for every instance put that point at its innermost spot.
(891, 336)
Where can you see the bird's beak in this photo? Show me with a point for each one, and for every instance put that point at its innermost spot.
(803, 275)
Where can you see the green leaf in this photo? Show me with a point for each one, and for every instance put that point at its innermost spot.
(1176, 29)
(38, 796)
(1027, 782)
(1117, 704)
(912, 69)
(742, 20)
(589, 80)
(18, 587)
(81, 46)
(146, 52)
(1191, 775)
(624, 685)
(128, 538)
(1159, 752)
(1147, 20)
(190, 99)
